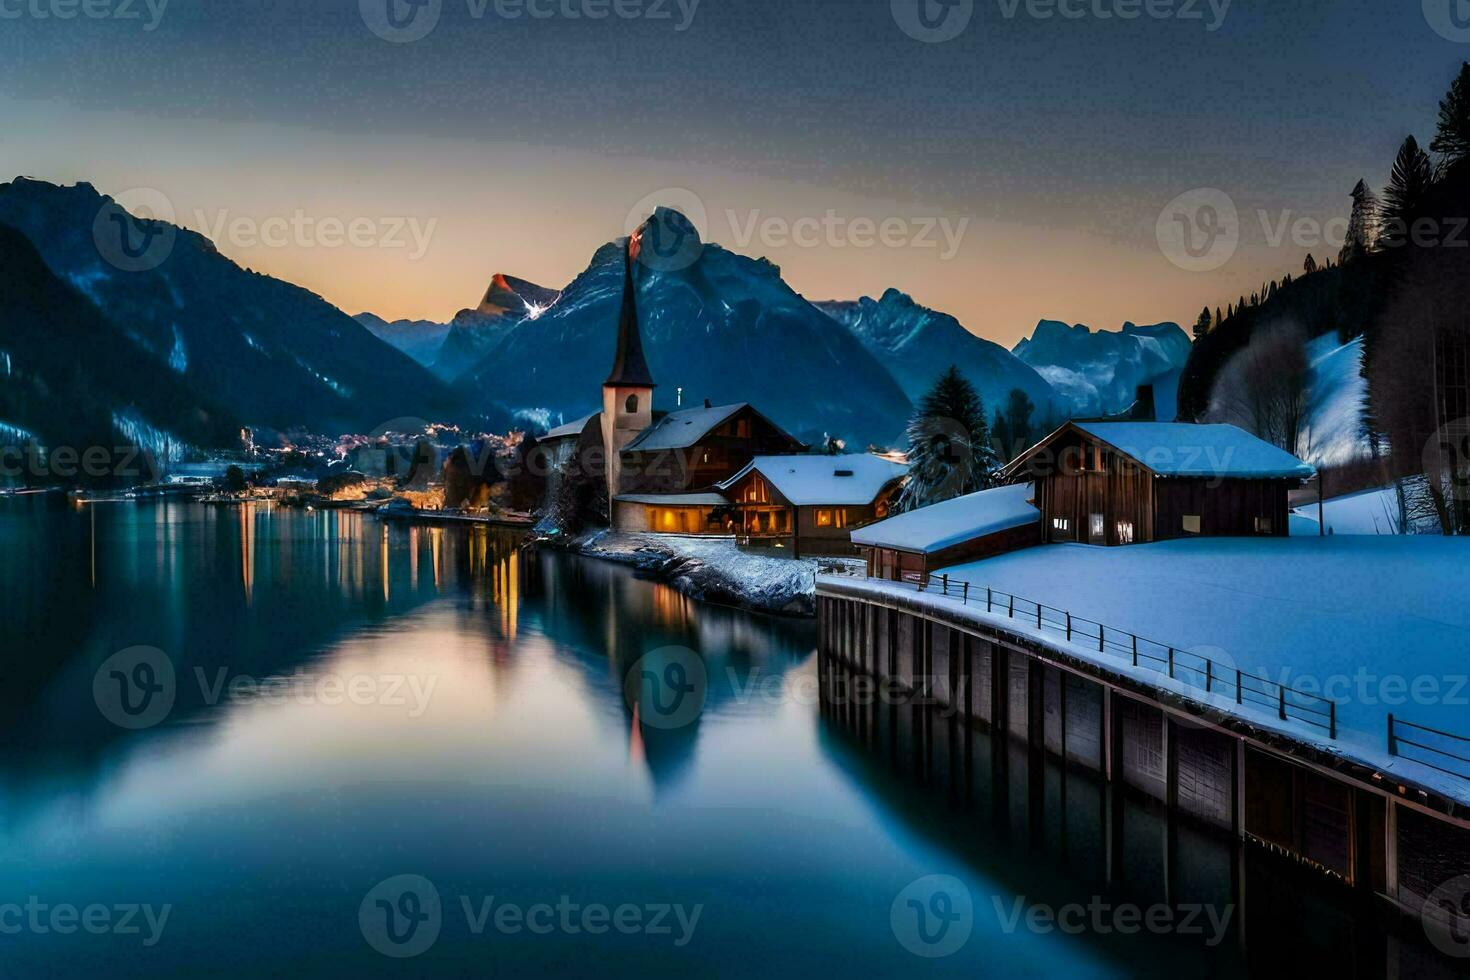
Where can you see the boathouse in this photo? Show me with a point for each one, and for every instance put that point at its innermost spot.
(907, 548)
(1120, 483)
(811, 504)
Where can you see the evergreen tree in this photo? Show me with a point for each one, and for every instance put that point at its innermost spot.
(1452, 141)
(1310, 266)
(1202, 325)
(1408, 185)
(1019, 410)
(1218, 318)
(950, 454)
(1362, 226)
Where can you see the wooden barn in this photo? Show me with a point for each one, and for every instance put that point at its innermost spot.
(1119, 483)
(810, 504)
(907, 548)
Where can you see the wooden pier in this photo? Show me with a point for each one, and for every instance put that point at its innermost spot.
(1209, 766)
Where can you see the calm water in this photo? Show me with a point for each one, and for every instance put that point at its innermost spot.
(352, 703)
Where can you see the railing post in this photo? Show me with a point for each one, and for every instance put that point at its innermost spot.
(1171, 663)
(1239, 691)
(1038, 617)
(1012, 613)
(989, 598)
(1069, 626)
(1102, 632)
(1281, 700)
(1332, 720)
(1135, 649)
(944, 584)
(1393, 749)
(965, 594)
(1209, 675)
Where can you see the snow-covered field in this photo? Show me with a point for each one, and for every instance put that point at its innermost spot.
(1377, 624)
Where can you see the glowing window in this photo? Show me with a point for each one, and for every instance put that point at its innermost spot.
(1125, 532)
(631, 406)
(824, 518)
(1191, 524)
(1263, 525)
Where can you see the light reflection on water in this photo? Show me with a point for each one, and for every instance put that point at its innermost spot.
(504, 761)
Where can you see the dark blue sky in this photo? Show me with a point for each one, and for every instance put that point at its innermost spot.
(1060, 139)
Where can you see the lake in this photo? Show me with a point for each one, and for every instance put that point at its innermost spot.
(267, 741)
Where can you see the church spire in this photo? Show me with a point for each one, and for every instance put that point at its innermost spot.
(630, 370)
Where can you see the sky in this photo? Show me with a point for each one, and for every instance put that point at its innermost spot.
(1001, 160)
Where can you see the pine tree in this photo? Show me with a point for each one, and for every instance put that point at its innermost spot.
(1203, 324)
(950, 453)
(1362, 227)
(1310, 266)
(1408, 185)
(1452, 141)
(1218, 318)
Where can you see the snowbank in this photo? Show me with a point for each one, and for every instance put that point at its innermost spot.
(716, 570)
(944, 525)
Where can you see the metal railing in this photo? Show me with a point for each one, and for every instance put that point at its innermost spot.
(1191, 669)
(1451, 750)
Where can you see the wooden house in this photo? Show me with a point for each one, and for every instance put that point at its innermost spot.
(907, 548)
(1119, 483)
(810, 504)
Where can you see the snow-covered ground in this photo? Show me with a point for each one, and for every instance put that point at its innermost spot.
(715, 569)
(1369, 512)
(1379, 625)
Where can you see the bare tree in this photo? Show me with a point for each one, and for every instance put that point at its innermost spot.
(1264, 388)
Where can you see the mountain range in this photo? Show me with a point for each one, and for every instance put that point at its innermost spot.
(1097, 373)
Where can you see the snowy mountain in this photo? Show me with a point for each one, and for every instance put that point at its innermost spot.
(917, 345)
(1098, 372)
(419, 339)
(474, 333)
(718, 325)
(272, 353)
(70, 378)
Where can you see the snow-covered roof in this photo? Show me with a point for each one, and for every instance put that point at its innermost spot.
(682, 429)
(851, 481)
(571, 428)
(674, 499)
(939, 526)
(1182, 449)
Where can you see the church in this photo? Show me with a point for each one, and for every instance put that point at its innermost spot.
(671, 472)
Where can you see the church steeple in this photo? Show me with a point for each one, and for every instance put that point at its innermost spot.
(630, 369)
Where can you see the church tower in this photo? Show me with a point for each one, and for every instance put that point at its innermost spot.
(627, 394)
